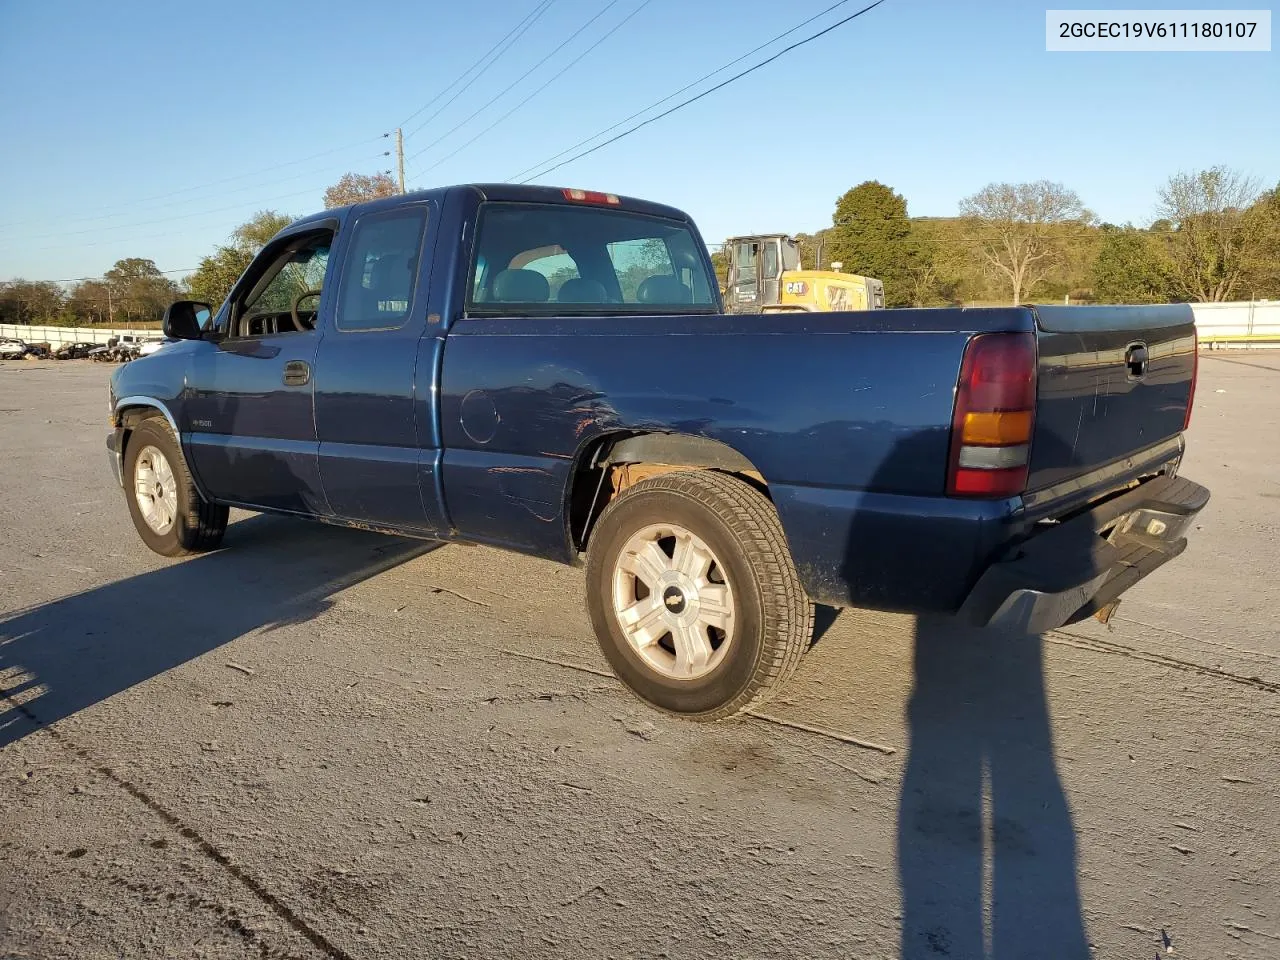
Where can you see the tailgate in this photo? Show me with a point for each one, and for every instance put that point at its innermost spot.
(1112, 381)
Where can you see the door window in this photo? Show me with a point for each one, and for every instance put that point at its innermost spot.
(285, 296)
(382, 270)
(745, 260)
(770, 271)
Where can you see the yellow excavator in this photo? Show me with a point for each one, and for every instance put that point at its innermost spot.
(765, 276)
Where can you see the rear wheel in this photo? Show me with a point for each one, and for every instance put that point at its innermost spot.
(694, 597)
(167, 510)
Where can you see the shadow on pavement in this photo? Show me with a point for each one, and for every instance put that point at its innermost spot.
(63, 656)
(986, 845)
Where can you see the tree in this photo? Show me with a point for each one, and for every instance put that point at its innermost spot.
(934, 275)
(257, 232)
(30, 301)
(359, 187)
(1020, 226)
(871, 236)
(218, 272)
(138, 290)
(1130, 268)
(720, 262)
(1263, 269)
(1219, 231)
(92, 300)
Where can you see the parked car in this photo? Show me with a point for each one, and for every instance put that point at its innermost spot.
(551, 372)
(153, 344)
(74, 351)
(12, 349)
(104, 353)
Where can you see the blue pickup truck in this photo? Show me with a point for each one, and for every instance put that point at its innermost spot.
(551, 371)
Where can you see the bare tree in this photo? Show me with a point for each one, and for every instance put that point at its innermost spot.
(1217, 231)
(359, 187)
(1017, 230)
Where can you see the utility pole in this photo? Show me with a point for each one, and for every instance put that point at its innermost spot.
(400, 156)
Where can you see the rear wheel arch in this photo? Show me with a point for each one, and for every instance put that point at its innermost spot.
(608, 465)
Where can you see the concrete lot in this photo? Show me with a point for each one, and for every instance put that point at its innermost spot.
(325, 743)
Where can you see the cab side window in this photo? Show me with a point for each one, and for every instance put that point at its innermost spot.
(381, 273)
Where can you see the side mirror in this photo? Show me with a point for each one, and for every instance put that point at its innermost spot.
(182, 321)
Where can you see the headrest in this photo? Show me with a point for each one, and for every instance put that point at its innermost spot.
(387, 272)
(521, 286)
(663, 288)
(581, 290)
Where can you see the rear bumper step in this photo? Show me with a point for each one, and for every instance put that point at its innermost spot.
(1074, 570)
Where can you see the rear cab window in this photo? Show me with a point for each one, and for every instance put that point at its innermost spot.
(554, 259)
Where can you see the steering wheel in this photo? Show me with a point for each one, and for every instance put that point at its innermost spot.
(293, 311)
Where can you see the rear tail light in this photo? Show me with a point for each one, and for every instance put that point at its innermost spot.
(994, 416)
(1195, 375)
(591, 196)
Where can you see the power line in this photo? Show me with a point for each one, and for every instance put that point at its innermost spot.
(492, 100)
(690, 86)
(406, 120)
(544, 86)
(168, 219)
(719, 86)
(210, 183)
(519, 31)
(161, 236)
(83, 279)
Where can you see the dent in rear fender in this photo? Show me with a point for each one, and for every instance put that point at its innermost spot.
(507, 499)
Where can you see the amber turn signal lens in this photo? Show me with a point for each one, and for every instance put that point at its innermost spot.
(996, 429)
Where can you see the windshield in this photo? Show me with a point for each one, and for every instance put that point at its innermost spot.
(556, 259)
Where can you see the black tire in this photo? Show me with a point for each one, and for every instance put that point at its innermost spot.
(198, 525)
(772, 614)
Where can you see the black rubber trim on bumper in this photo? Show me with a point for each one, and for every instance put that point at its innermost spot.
(1071, 571)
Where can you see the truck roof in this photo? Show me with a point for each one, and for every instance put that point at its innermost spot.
(509, 192)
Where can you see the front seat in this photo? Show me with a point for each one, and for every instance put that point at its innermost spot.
(663, 288)
(390, 280)
(581, 290)
(521, 286)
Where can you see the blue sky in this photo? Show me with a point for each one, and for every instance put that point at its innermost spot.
(111, 113)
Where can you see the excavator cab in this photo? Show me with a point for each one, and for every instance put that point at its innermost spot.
(756, 265)
(765, 276)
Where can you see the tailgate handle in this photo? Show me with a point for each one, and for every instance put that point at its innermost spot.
(1135, 359)
(296, 373)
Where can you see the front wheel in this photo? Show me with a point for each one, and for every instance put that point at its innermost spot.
(694, 596)
(167, 510)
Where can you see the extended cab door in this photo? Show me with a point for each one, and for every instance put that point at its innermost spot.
(252, 434)
(372, 451)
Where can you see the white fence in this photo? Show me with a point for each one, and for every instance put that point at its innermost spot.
(60, 335)
(1227, 322)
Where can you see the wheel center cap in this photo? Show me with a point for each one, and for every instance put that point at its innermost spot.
(674, 600)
